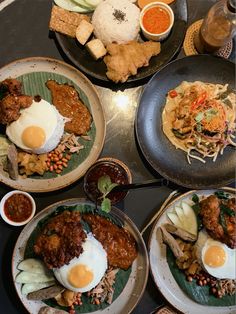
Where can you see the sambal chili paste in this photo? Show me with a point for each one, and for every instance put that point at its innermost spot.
(156, 20)
(18, 207)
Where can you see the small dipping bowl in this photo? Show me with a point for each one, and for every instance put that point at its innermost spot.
(156, 21)
(17, 208)
(117, 171)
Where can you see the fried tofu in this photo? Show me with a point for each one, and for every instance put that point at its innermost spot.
(96, 48)
(65, 22)
(84, 31)
(124, 60)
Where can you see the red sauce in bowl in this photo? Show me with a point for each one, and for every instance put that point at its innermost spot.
(18, 207)
(156, 20)
(114, 170)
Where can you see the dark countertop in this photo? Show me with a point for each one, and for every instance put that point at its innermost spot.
(24, 33)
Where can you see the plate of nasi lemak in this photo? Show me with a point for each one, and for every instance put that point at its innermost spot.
(104, 38)
(52, 125)
(192, 250)
(75, 258)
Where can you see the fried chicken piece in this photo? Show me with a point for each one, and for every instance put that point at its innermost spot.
(61, 239)
(10, 107)
(12, 100)
(124, 59)
(66, 99)
(117, 242)
(12, 86)
(211, 211)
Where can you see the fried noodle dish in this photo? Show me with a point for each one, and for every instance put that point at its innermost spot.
(200, 117)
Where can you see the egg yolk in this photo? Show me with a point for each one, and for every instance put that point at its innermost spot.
(215, 256)
(80, 276)
(33, 136)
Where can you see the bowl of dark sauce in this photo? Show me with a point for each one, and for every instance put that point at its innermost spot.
(17, 208)
(117, 171)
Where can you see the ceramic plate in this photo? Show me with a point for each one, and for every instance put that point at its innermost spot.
(157, 149)
(137, 280)
(34, 72)
(160, 270)
(80, 57)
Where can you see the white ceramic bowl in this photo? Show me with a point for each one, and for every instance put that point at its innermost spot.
(2, 212)
(157, 36)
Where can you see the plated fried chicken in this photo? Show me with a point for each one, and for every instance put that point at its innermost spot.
(124, 60)
(219, 218)
(67, 101)
(12, 100)
(61, 239)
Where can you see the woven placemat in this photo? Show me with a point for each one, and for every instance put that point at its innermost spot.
(189, 47)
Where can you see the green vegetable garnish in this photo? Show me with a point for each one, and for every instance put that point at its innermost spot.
(223, 222)
(199, 117)
(195, 198)
(222, 195)
(226, 210)
(177, 134)
(196, 207)
(210, 113)
(105, 186)
(199, 127)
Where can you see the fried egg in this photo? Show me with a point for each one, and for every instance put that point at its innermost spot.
(216, 257)
(83, 273)
(38, 129)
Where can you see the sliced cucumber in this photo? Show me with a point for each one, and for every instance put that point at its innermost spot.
(175, 219)
(83, 4)
(93, 3)
(180, 214)
(27, 277)
(31, 287)
(4, 145)
(191, 219)
(32, 265)
(72, 6)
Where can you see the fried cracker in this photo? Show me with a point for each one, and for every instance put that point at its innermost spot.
(64, 21)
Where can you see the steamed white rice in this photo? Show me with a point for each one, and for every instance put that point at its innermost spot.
(116, 21)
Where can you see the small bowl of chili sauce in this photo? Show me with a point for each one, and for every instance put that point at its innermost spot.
(17, 208)
(156, 21)
(117, 171)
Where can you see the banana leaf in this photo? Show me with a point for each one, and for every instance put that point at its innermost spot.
(34, 84)
(122, 276)
(195, 292)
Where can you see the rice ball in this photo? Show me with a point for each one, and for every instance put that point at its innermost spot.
(116, 21)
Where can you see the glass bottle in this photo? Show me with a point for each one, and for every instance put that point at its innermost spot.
(218, 27)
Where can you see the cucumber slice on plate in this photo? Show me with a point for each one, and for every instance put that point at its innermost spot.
(83, 4)
(72, 6)
(175, 219)
(93, 3)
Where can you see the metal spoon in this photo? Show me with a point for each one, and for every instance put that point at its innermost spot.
(145, 184)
